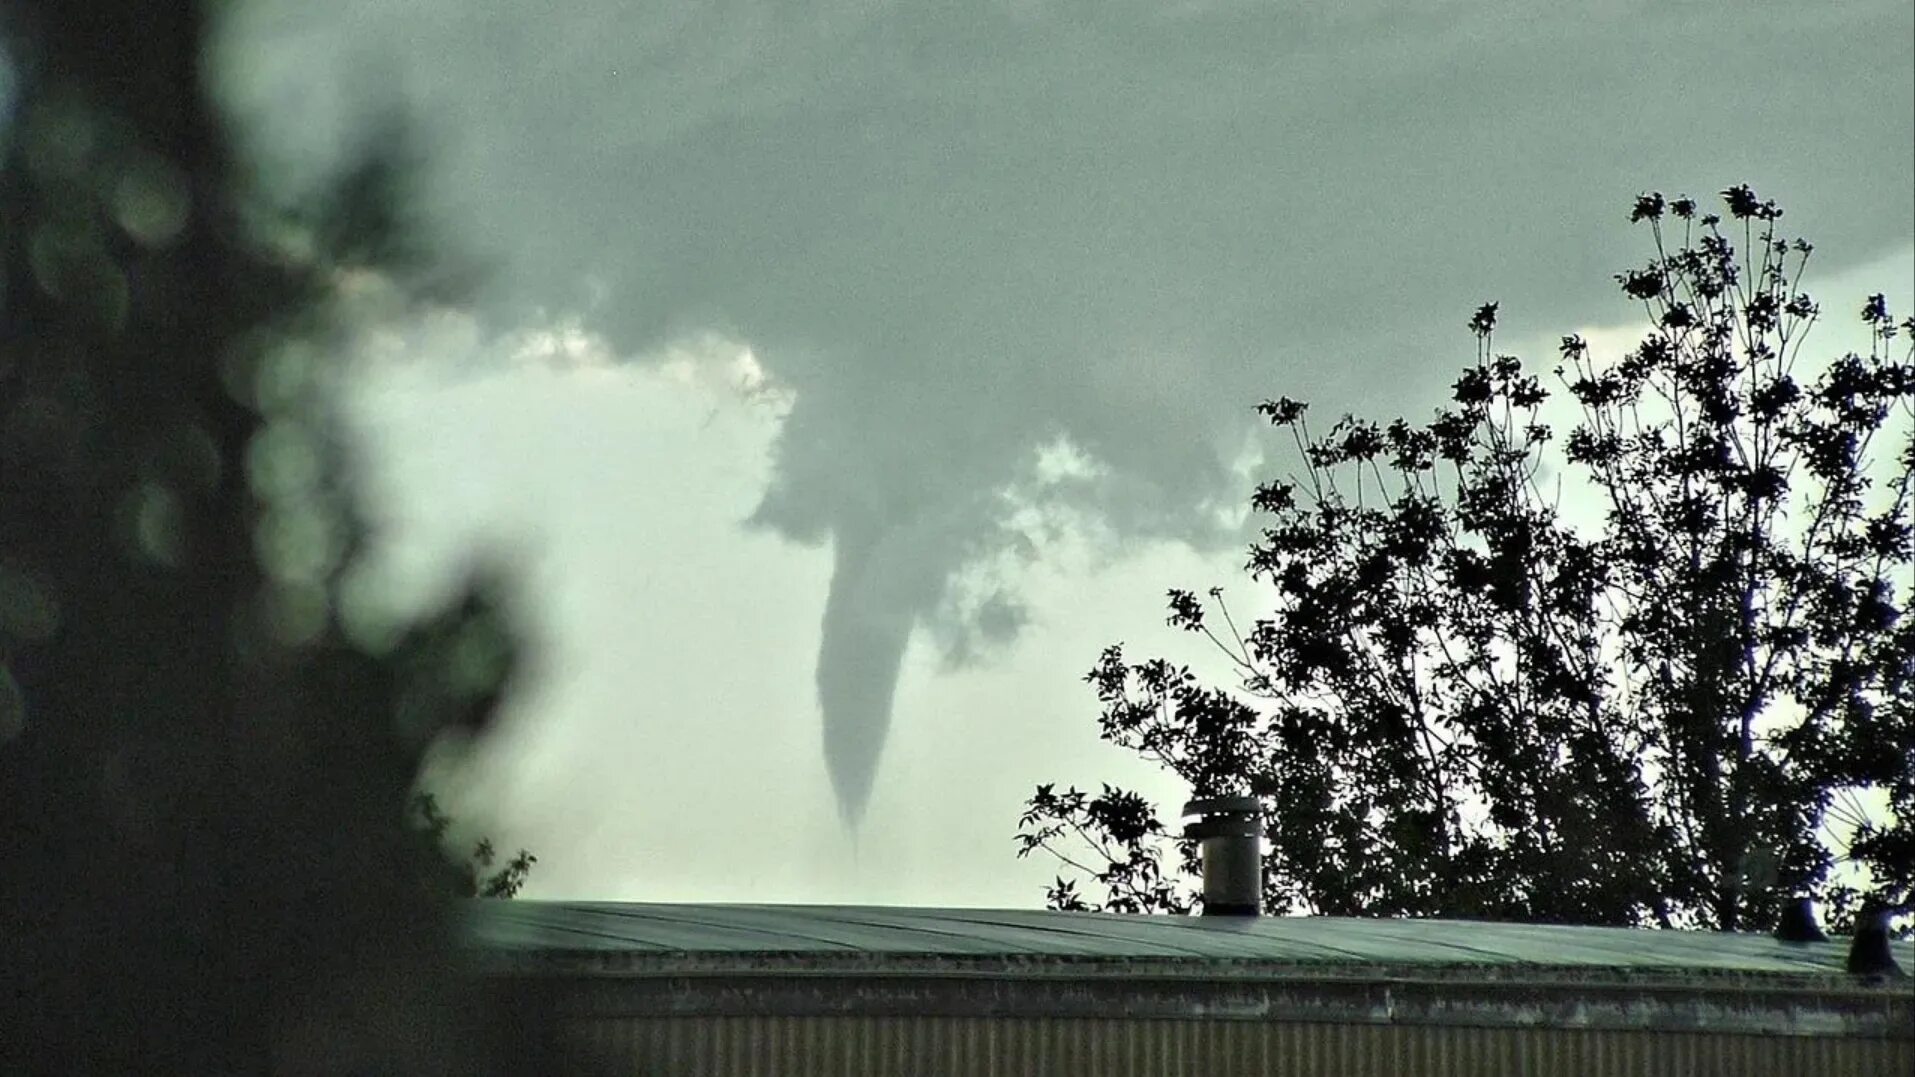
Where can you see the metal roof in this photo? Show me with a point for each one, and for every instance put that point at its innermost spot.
(523, 927)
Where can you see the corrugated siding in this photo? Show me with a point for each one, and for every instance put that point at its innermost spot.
(1021, 1047)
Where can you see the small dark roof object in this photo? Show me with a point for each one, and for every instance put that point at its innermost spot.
(1870, 953)
(1798, 922)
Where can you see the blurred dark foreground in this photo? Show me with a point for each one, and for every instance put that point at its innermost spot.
(204, 760)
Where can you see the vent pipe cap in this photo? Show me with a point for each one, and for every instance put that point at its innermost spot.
(1231, 832)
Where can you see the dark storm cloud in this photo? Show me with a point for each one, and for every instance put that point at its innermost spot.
(958, 232)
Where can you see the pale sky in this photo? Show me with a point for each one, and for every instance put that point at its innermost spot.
(984, 300)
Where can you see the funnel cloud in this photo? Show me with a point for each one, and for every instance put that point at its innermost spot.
(863, 642)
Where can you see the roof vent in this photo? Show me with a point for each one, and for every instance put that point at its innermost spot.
(1869, 954)
(1231, 830)
(1798, 922)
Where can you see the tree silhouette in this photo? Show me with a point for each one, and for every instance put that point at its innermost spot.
(205, 763)
(1463, 701)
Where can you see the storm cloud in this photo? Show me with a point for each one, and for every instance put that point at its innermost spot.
(956, 235)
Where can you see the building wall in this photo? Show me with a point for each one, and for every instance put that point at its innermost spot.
(925, 1046)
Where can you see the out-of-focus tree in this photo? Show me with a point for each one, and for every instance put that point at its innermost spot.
(206, 758)
(1463, 702)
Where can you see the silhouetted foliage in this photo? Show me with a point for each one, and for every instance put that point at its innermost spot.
(205, 762)
(1463, 702)
(472, 876)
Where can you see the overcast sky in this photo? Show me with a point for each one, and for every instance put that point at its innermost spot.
(847, 374)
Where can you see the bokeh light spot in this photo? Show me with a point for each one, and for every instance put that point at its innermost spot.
(365, 616)
(282, 461)
(159, 524)
(150, 202)
(297, 543)
(28, 609)
(73, 267)
(282, 378)
(296, 613)
(58, 140)
(13, 706)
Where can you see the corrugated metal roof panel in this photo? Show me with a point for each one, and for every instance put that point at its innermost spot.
(631, 928)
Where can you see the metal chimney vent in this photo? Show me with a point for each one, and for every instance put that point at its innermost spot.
(1798, 922)
(1869, 952)
(1231, 830)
